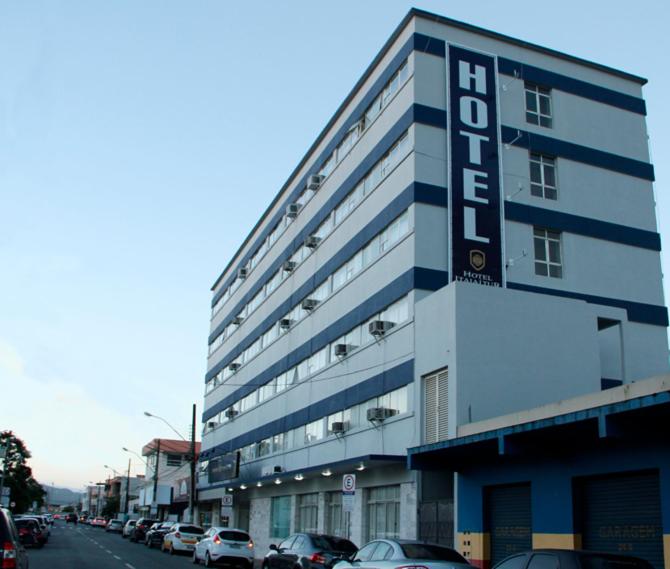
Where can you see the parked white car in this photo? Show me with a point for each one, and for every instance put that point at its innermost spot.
(182, 537)
(225, 545)
(128, 528)
(394, 553)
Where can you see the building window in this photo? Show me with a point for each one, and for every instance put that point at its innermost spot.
(383, 512)
(538, 105)
(173, 459)
(280, 516)
(335, 517)
(547, 253)
(308, 513)
(543, 176)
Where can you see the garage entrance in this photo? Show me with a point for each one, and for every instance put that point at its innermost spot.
(508, 516)
(621, 514)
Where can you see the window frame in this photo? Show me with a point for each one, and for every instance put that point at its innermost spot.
(538, 93)
(548, 237)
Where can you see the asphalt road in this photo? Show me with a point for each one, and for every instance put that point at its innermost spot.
(84, 547)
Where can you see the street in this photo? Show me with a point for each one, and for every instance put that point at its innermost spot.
(86, 547)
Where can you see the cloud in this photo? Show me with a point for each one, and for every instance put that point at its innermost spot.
(70, 433)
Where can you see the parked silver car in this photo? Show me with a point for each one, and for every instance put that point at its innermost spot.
(226, 546)
(392, 553)
(128, 528)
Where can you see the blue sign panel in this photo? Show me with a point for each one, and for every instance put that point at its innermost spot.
(475, 188)
(224, 467)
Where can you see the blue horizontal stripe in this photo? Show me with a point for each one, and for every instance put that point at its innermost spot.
(427, 44)
(374, 304)
(375, 386)
(578, 153)
(637, 311)
(582, 226)
(572, 86)
(354, 116)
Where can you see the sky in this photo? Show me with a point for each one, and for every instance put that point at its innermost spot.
(140, 141)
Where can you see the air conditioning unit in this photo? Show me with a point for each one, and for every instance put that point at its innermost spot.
(285, 323)
(242, 273)
(379, 413)
(341, 350)
(288, 266)
(338, 427)
(234, 366)
(312, 241)
(231, 413)
(237, 320)
(292, 210)
(211, 424)
(309, 304)
(380, 327)
(314, 182)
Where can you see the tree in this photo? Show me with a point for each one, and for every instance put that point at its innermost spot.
(111, 507)
(23, 488)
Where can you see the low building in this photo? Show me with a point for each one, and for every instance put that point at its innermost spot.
(591, 472)
(168, 464)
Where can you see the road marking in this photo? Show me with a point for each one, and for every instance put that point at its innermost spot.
(117, 557)
(129, 566)
(108, 551)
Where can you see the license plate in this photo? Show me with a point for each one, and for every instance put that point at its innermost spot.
(188, 540)
(235, 546)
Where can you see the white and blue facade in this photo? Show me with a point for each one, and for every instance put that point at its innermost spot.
(461, 158)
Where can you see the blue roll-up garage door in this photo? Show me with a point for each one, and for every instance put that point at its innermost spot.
(508, 520)
(622, 514)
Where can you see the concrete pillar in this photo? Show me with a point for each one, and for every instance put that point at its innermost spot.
(321, 515)
(408, 511)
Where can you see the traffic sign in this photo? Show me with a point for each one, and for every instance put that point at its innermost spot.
(349, 483)
(227, 500)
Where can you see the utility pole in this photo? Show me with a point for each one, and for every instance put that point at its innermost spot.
(126, 510)
(191, 494)
(158, 458)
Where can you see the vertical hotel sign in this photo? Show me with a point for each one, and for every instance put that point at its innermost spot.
(475, 188)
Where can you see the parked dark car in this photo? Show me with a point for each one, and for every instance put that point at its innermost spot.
(308, 550)
(12, 554)
(141, 528)
(156, 534)
(570, 559)
(30, 533)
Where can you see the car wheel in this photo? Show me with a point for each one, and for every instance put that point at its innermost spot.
(195, 558)
(208, 560)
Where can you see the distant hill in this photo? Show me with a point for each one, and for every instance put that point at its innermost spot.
(61, 496)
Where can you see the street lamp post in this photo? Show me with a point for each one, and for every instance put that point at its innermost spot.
(155, 474)
(191, 494)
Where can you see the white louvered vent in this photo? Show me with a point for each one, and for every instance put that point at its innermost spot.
(436, 405)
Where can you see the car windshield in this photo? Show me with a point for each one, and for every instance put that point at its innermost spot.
(234, 536)
(332, 543)
(432, 552)
(192, 529)
(599, 561)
